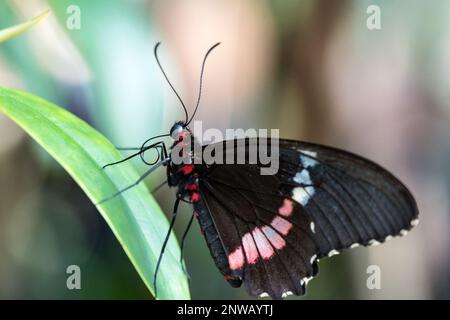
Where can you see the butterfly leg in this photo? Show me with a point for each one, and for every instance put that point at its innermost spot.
(141, 151)
(172, 222)
(142, 147)
(162, 152)
(127, 148)
(123, 160)
(182, 245)
(163, 162)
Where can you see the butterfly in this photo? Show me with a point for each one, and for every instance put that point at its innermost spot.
(268, 232)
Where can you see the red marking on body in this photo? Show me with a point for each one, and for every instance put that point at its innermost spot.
(264, 247)
(195, 197)
(195, 214)
(251, 253)
(236, 259)
(275, 239)
(281, 225)
(228, 277)
(191, 187)
(202, 231)
(182, 136)
(187, 169)
(286, 209)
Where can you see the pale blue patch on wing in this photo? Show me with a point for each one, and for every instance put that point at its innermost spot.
(302, 194)
(308, 161)
(303, 177)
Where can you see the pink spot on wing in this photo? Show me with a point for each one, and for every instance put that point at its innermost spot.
(251, 253)
(275, 239)
(281, 225)
(236, 259)
(264, 247)
(286, 209)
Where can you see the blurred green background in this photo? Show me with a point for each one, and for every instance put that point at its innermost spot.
(311, 68)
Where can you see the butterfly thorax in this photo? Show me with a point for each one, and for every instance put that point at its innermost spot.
(186, 176)
(184, 172)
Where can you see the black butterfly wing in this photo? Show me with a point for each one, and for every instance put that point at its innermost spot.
(351, 200)
(323, 199)
(271, 250)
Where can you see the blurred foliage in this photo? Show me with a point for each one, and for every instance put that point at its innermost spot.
(14, 31)
(134, 218)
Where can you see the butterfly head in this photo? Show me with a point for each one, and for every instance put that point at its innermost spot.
(179, 131)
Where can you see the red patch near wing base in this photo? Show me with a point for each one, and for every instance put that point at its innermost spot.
(281, 225)
(191, 187)
(264, 247)
(236, 259)
(187, 169)
(275, 239)
(251, 253)
(195, 197)
(286, 209)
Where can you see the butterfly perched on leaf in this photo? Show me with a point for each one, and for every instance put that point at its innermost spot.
(267, 232)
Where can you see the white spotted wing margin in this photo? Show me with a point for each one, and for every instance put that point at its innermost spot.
(338, 200)
(351, 200)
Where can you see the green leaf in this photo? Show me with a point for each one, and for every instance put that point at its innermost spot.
(16, 30)
(134, 217)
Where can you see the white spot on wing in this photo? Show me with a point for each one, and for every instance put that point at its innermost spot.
(355, 245)
(303, 177)
(300, 194)
(332, 253)
(403, 232)
(388, 238)
(310, 190)
(305, 280)
(313, 258)
(264, 295)
(313, 227)
(373, 242)
(414, 222)
(309, 153)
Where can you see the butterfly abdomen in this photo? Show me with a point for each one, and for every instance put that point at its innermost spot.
(214, 243)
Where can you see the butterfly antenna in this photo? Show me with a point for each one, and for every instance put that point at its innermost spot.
(201, 80)
(168, 81)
